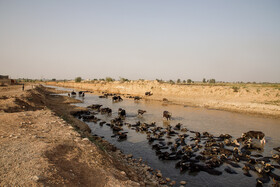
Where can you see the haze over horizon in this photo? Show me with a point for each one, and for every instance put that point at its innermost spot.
(148, 39)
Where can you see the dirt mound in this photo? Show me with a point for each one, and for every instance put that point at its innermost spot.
(27, 101)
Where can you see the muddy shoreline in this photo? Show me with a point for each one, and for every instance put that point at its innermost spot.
(252, 101)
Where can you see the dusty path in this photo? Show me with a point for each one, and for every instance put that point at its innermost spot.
(39, 148)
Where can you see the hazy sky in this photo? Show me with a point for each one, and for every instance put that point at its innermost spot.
(229, 40)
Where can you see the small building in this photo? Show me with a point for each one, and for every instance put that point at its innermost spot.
(4, 80)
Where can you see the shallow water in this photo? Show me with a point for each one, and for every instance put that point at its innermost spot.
(196, 119)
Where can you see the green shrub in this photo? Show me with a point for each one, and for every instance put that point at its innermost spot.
(109, 79)
(212, 81)
(159, 80)
(78, 79)
(124, 80)
(235, 89)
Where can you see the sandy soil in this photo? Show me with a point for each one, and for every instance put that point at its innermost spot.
(253, 99)
(41, 144)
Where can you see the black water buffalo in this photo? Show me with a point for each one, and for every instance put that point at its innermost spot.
(137, 98)
(141, 112)
(148, 93)
(116, 98)
(121, 113)
(254, 134)
(95, 107)
(167, 115)
(165, 100)
(106, 111)
(73, 93)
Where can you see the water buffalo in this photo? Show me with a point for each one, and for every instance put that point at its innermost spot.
(116, 98)
(165, 100)
(141, 112)
(167, 115)
(121, 113)
(95, 107)
(148, 93)
(106, 111)
(254, 134)
(137, 98)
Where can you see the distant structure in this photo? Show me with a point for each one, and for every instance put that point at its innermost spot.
(4, 80)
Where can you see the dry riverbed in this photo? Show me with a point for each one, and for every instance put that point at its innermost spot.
(41, 144)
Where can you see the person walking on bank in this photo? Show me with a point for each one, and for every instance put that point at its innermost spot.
(22, 87)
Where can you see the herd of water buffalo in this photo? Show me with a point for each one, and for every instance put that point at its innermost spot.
(195, 151)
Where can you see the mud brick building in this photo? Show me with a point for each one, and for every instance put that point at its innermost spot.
(4, 80)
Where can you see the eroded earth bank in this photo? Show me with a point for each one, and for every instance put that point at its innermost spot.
(244, 98)
(41, 144)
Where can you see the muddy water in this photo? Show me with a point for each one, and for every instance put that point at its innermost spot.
(197, 119)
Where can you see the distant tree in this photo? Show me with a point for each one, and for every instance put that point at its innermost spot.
(78, 79)
(178, 81)
(204, 80)
(123, 79)
(171, 81)
(109, 79)
(159, 80)
(53, 79)
(184, 81)
(212, 81)
(189, 81)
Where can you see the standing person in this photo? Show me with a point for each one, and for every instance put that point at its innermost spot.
(22, 87)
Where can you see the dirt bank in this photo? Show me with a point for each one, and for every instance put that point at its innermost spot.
(42, 144)
(245, 98)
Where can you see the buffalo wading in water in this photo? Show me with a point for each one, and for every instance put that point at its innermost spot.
(254, 134)
(167, 115)
(212, 153)
(116, 98)
(121, 113)
(73, 93)
(141, 112)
